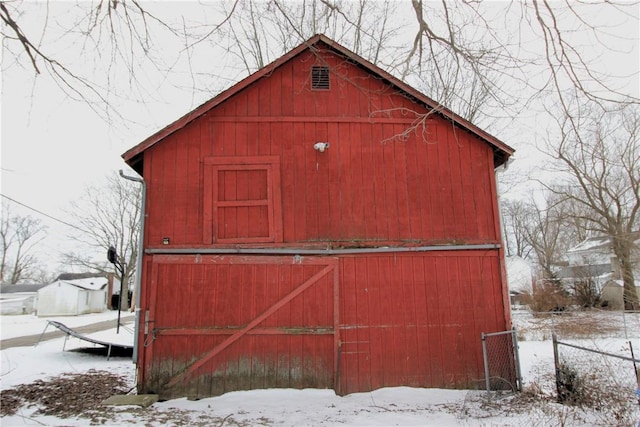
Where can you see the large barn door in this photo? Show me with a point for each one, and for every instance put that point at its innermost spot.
(224, 323)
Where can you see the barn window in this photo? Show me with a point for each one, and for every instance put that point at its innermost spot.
(319, 77)
(242, 200)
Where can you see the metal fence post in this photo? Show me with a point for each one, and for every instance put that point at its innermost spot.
(516, 353)
(486, 364)
(556, 362)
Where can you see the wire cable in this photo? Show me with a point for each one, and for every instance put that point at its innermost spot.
(45, 214)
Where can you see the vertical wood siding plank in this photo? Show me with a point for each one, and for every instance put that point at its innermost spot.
(368, 174)
(375, 302)
(354, 191)
(286, 90)
(482, 191)
(457, 144)
(170, 188)
(326, 182)
(363, 322)
(341, 189)
(388, 321)
(349, 364)
(415, 183)
(253, 100)
(313, 181)
(378, 173)
(275, 195)
(457, 320)
(445, 179)
(391, 213)
(435, 342)
(264, 97)
(467, 181)
(422, 317)
(337, 336)
(294, 186)
(411, 324)
(240, 139)
(274, 81)
(401, 185)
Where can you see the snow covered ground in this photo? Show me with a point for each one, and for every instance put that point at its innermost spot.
(399, 406)
(30, 324)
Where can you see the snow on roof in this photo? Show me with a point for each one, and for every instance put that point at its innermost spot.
(600, 242)
(90, 283)
(17, 289)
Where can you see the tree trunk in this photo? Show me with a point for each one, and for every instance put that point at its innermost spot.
(123, 285)
(630, 294)
(622, 250)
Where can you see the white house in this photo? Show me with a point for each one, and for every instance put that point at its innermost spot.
(594, 259)
(73, 297)
(519, 274)
(18, 299)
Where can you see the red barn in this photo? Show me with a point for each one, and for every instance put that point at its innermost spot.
(319, 224)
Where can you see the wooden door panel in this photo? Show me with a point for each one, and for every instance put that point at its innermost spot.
(242, 200)
(262, 320)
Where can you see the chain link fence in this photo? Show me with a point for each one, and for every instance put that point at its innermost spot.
(601, 380)
(540, 326)
(501, 362)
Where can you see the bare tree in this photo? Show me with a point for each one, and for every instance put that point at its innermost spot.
(18, 237)
(544, 235)
(598, 156)
(497, 48)
(110, 214)
(516, 217)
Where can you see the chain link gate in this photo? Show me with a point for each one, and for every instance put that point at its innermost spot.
(501, 361)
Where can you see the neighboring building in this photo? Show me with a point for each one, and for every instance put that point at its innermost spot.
(319, 224)
(594, 260)
(73, 297)
(18, 299)
(519, 275)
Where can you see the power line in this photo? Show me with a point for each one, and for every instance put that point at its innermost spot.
(45, 214)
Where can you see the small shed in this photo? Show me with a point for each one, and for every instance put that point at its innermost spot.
(319, 224)
(73, 297)
(612, 294)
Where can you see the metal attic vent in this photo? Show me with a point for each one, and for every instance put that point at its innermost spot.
(319, 77)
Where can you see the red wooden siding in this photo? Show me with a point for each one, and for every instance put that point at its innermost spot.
(371, 185)
(416, 319)
(381, 320)
(253, 322)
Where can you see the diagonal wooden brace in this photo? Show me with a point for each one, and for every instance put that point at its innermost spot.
(255, 322)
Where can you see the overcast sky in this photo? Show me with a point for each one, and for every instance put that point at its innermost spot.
(54, 146)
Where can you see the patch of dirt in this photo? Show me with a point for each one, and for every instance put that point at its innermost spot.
(68, 395)
(73, 395)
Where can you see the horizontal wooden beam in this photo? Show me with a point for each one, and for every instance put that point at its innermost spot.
(316, 119)
(257, 331)
(297, 251)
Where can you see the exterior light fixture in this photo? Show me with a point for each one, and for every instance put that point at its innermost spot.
(321, 146)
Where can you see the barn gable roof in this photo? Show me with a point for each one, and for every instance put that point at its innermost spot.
(502, 151)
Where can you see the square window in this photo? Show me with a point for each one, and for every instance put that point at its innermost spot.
(242, 200)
